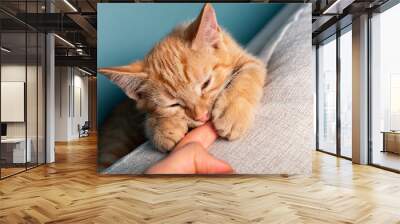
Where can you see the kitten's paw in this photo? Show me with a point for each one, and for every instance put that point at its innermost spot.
(232, 118)
(167, 141)
(167, 133)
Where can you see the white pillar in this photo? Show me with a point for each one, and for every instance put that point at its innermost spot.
(50, 99)
(50, 92)
(360, 90)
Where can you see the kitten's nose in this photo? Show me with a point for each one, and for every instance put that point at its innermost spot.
(203, 118)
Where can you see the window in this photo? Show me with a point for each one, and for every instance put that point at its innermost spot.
(394, 102)
(346, 93)
(22, 66)
(327, 96)
(334, 106)
(385, 89)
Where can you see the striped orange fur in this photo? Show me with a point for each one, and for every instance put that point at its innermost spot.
(196, 73)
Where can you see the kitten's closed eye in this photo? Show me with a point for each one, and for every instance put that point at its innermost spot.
(206, 83)
(174, 105)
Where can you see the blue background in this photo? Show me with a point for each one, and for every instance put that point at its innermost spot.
(126, 32)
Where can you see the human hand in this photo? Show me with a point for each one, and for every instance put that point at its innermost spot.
(190, 156)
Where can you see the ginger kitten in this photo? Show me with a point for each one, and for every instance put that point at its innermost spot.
(196, 73)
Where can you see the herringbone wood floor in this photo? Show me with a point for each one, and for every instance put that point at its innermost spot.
(70, 191)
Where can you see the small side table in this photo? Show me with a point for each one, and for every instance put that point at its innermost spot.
(391, 141)
(15, 150)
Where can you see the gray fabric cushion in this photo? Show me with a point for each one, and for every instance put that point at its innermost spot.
(282, 137)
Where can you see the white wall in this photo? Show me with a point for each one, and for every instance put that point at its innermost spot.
(33, 126)
(80, 109)
(70, 83)
(15, 72)
(62, 80)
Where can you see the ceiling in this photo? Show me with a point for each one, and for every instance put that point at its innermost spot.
(332, 15)
(16, 42)
(76, 22)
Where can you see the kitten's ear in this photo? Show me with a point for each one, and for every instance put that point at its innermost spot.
(128, 77)
(135, 69)
(205, 29)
